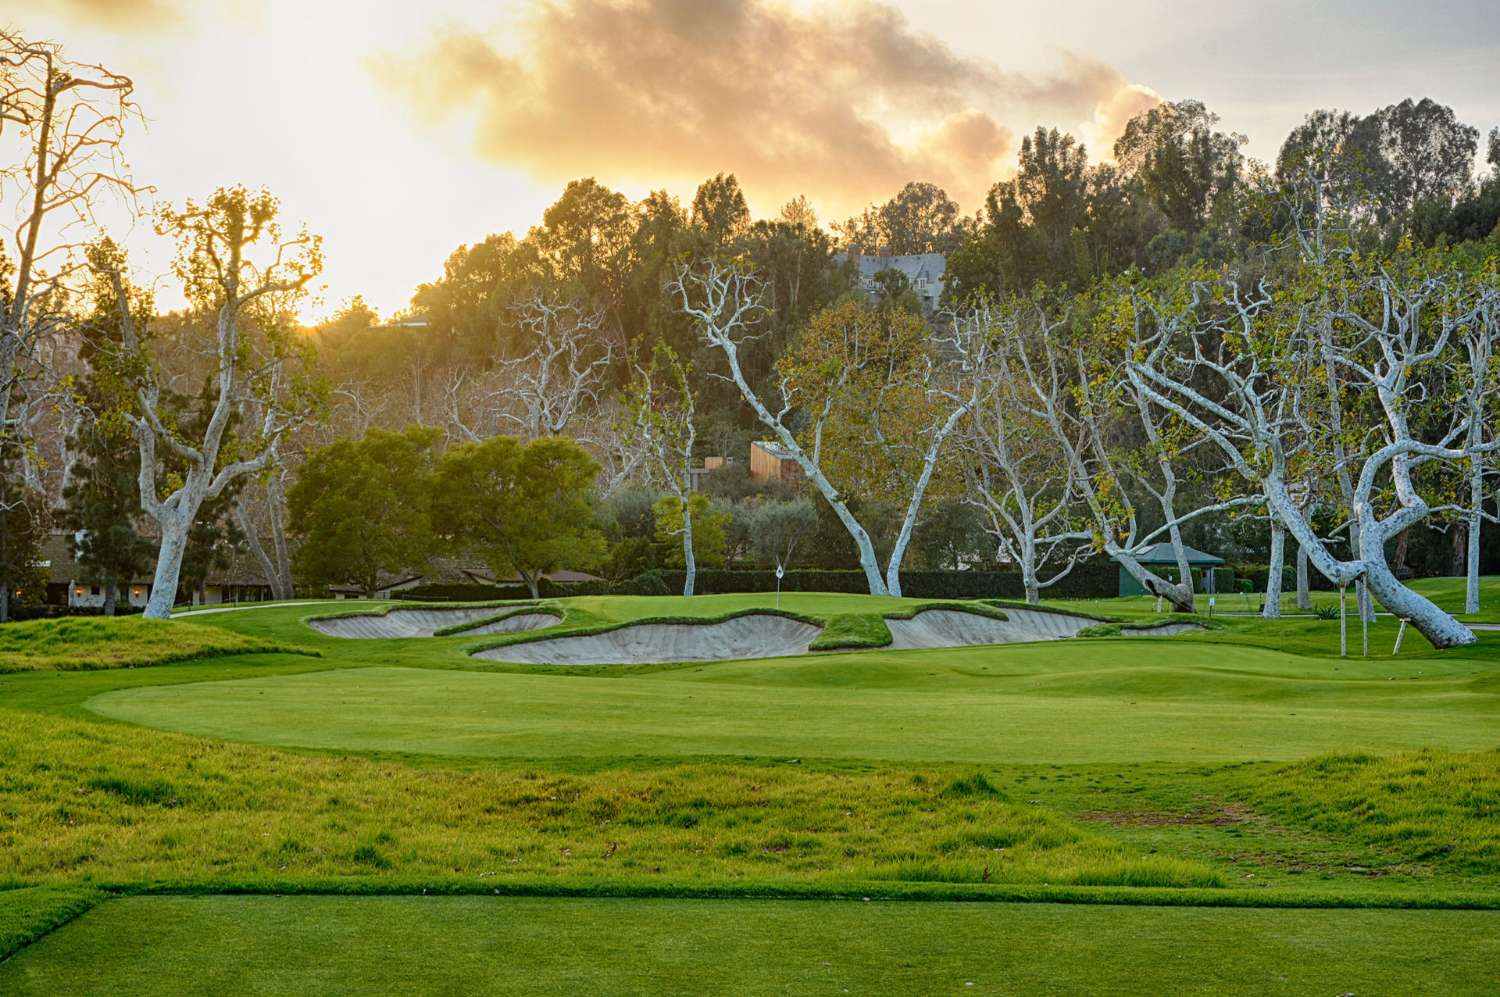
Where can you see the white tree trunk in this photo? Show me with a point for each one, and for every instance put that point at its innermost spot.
(689, 559)
(1475, 517)
(1181, 598)
(1272, 608)
(174, 533)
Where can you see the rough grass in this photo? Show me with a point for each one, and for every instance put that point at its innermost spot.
(83, 643)
(1438, 808)
(852, 631)
(114, 804)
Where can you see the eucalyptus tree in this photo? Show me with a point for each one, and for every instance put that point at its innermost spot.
(68, 121)
(232, 259)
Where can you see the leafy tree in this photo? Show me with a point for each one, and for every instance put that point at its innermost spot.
(719, 209)
(103, 504)
(710, 524)
(1179, 161)
(778, 528)
(23, 530)
(920, 218)
(361, 508)
(523, 509)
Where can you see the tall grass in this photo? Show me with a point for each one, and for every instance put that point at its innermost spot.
(85, 802)
(80, 643)
(1436, 807)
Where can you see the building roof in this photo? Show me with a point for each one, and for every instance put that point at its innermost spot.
(1162, 553)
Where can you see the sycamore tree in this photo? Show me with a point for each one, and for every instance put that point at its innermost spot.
(1029, 498)
(864, 403)
(1062, 386)
(359, 508)
(663, 427)
(525, 509)
(1244, 372)
(234, 260)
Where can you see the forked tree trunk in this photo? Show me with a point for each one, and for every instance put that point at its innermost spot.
(111, 596)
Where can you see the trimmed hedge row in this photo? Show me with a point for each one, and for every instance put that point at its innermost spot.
(1091, 580)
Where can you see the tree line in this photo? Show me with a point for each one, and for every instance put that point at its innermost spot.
(1072, 396)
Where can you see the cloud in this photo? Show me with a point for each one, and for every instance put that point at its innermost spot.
(845, 103)
(1112, 114)
(128, 14)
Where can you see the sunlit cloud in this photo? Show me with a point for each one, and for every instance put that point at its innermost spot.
(844, 103)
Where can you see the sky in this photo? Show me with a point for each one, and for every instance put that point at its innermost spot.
(399, 130)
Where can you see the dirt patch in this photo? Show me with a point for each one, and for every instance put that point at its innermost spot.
(1228, 815)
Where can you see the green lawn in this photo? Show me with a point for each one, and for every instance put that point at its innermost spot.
(1241, 766)
(1125, 700)
(297, 945)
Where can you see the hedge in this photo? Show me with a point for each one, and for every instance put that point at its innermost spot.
(1090, 580)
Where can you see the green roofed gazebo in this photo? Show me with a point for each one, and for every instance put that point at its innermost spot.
(1156, 556)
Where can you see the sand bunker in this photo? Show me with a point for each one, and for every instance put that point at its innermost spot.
(956, 628)
(422, 622)
(754, 636)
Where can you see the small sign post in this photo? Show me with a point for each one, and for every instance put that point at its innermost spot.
(779, 572)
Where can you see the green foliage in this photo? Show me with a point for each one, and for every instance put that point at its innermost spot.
(710, 525)
(523, 509)
(83, 643)
(361, 508)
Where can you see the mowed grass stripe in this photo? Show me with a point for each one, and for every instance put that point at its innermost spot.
(722, 710)
(305, 944)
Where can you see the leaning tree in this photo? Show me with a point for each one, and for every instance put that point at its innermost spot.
(1244, 370)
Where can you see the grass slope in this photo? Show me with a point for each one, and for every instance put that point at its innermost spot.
(295, 945)
(82, 643)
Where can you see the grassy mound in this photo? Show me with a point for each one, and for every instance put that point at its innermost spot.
(83, 643)
(1435, 807)
(851, 631)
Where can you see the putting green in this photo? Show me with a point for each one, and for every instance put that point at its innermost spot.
(1068, 703)
(296, 945)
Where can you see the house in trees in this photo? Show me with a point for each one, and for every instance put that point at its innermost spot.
(924, 273)
(773, 462)
(67, 588)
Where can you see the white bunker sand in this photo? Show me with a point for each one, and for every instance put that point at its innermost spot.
(423, 622)
(758, 635)
(956, 628)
